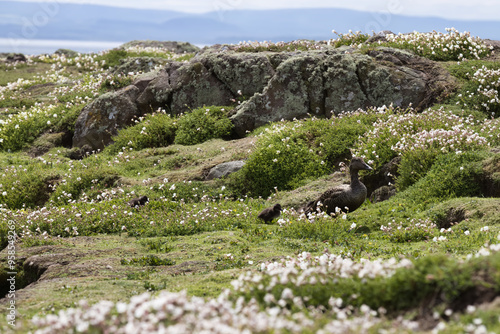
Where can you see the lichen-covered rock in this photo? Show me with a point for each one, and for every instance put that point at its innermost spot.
(138, 65)
(243, 73)
(277, 85)
(193, 85)
(224, 169)
(174, 46)
(66, 52)
(331, 81)
(101, 119)
(181, 87)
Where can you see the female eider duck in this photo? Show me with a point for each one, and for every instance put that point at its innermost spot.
(346, 198)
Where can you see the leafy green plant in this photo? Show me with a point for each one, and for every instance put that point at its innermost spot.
(152, 130)
(349, 39)
(203, 124)
(289, 152)
(83, 179)
(410, 231)
(157, 245)
(26, 186)
(451, 175)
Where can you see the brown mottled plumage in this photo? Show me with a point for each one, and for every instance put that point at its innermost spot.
(271, 213)
(139, 201)
(345, 197)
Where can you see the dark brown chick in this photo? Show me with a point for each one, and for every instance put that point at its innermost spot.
(269, 214)
(139, 201)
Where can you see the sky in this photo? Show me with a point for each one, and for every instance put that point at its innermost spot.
(450, 9)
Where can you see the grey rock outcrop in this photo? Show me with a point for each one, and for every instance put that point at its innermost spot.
(325, 82)
(273, 85)
(224, 169)
(174, 46)
(100, 120)
(138, 64)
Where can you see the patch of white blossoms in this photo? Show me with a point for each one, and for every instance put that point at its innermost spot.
(452, 45)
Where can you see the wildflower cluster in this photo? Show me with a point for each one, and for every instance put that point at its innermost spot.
(485, 96)
(155, 51)
(83, 62)
(324, 294)
(456, 139)
(412, 230)
(352, 39)
(408, 131)
(176, 312)
(452, 45)
(182, 209)
(298, 45)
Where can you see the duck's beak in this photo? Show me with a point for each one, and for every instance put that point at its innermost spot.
(367, 167)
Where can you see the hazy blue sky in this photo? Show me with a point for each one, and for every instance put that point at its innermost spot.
(450, 9)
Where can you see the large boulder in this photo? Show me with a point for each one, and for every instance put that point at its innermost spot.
(224, 169)
(138, 64)
(180, 87)
(174, 46)
(242, 73)
(100, 120)
(331, 81)
(276, 85)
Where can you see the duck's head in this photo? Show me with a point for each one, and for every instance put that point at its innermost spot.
(277, 207)
(358, 163)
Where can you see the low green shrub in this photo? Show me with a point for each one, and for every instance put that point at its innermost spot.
(350, 39)
(26, 186)
(82, 179)
(451, 175)
(23, 128)
(152, 130)
(203, 124)
(287, 153)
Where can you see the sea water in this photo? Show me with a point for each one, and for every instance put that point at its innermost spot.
(41, 46)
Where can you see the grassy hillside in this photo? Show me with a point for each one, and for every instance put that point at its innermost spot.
(196, 257)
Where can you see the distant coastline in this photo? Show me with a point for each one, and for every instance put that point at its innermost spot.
(39, 46)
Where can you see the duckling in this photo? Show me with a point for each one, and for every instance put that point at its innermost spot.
(346, 198)
(269, 214)
(139, 201)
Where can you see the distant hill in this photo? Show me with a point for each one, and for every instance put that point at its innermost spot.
(62, 21)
